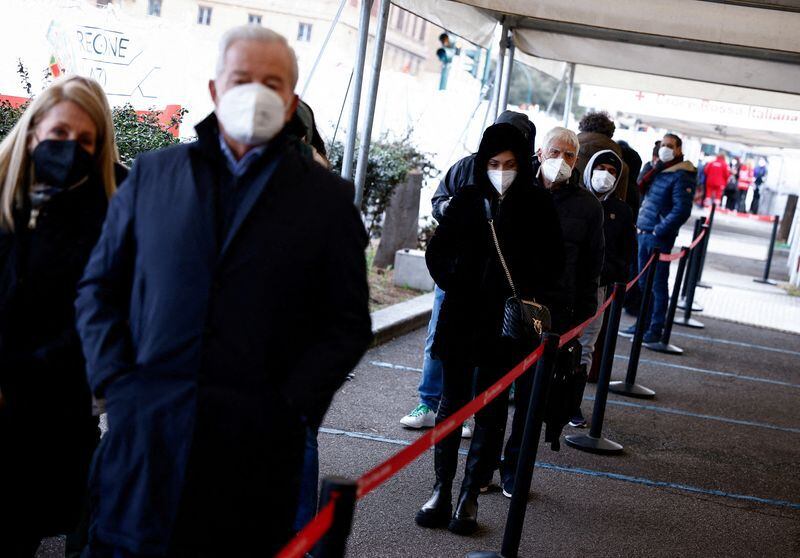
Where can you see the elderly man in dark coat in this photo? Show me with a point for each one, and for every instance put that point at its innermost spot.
(224, 304)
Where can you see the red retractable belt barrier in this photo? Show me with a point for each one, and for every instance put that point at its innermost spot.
(305, 540)
(750, 216)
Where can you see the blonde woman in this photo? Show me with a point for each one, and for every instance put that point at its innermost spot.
(58, 168)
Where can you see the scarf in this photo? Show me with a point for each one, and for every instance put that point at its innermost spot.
(647, 179)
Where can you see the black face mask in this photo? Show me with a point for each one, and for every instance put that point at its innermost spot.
(61, 164)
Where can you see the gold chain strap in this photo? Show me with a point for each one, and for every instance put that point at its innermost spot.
(502, 259)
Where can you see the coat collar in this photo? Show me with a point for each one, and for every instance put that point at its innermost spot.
(208, 161)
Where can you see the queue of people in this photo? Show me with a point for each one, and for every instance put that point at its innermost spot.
(578, 237)
(185, 297)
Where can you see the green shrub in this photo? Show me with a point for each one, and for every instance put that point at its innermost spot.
(389, 163)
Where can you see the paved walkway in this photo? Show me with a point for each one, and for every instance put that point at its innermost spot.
(709, 469)
(737, 254)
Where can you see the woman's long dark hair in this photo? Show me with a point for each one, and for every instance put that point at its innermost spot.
(496, 139)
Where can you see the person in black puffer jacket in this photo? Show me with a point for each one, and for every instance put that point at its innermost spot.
(463, 261)
(57, 170)
(581, 218)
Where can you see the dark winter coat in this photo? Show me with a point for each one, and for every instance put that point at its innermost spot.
(619, 232)
(634, 162)
(47, 432)
(463, 171)
(581, 218)
(668, 203)
(460, 174)
(463, 261)
(212, 353)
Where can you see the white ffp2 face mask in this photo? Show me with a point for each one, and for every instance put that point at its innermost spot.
(603, 181)
(666, 154)
(251, 113)
(556, 170)
(501, 179)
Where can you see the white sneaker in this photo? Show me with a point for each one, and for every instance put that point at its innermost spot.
(421, 417)
(466, 431)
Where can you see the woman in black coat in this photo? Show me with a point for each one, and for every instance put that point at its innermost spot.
(463, 261)
(57, 169)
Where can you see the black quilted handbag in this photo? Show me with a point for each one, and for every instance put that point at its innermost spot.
(523, 320)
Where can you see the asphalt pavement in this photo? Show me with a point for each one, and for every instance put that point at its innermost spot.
(710, 466)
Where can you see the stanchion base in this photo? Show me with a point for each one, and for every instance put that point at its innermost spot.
(704, 285)
(660, 347)
(765, 281)
(631, 390)
(585, 442)
(695, 307)
(691, 322)
(484, 554)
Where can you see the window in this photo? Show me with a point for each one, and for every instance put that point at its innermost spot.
(421, 35)
(414, 26)
(401, 17)
(154, 8)
(204, 15)
(254, 19)
(304, 32)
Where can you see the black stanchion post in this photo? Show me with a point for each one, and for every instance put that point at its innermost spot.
(692, 277)
(527, 453)
(663, 345)
(766, 278)
(697, 226)
(692, 267)
(710, 224)
(594, 441)
(334, 543)
(629, 387)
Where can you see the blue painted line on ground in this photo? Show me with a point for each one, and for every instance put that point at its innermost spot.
(653, 408)
(592, 473)
(712, 372)
(737, 343)
(681, 412)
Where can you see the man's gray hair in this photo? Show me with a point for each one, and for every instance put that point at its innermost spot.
(561, 134)
(253, 33)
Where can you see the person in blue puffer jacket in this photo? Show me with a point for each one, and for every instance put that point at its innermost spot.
(670, 186)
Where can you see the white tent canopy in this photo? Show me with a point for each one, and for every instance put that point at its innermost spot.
(734, 51)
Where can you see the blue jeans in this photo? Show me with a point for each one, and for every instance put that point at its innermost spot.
(307, 502)
(430, 385)
(654, 323)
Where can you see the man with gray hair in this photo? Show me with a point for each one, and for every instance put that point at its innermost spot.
(222, 307)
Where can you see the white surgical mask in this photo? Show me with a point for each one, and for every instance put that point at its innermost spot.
(556, 170)
(501, 180)
(603, 181)
(666, 154)
(251, 113)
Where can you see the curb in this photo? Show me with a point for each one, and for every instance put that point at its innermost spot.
(399, 319)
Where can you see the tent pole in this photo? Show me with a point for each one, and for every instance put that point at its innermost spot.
(570, 91)
(323, 47)
(498, 72)
(372, 96)
(558, 90)
(509, 67)
(358, 78)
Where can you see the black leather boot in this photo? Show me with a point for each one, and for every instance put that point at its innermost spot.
(435, 513)
(465, 518)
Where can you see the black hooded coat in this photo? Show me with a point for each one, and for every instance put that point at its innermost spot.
(463, 260)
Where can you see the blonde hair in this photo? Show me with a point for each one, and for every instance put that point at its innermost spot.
(15, 160)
